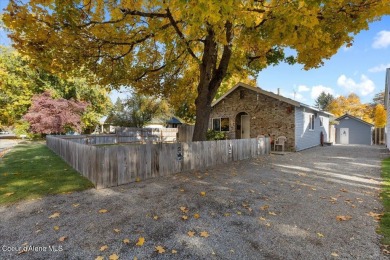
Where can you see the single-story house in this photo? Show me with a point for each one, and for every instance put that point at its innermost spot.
(387, 107)
(353, 130)
(247, 112)
(172, 122)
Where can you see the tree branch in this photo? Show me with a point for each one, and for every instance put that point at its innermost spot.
(181, 35)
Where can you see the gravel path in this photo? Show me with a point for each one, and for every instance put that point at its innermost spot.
(274, 207)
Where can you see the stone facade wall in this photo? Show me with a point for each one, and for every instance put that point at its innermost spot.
(268, 116)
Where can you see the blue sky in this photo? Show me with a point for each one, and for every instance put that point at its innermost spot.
(359, 69)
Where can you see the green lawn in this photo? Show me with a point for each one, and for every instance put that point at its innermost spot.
(30, 171)
(385, 221)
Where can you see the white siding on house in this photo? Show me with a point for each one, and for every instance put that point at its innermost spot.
(304, 137)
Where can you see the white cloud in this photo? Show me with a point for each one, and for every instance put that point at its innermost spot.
(297, 96)
(364, 87)
(379, 68)
(303, 88)
(316, 91)
(382, 40)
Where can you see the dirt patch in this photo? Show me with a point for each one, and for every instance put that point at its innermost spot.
(279, 207)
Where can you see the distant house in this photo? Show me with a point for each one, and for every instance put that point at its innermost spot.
(246, 112)
(352, 130)
(387, 107)
(172, 122)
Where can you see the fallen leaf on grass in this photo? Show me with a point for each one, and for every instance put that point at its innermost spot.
(227, 214)
(204, 234)
(155, 217)
(137, 179)
(196, 216)
(114, 257)
(56, 228)
(268, 224)
(202, 193)
(343, 190)
(55, 215)
(174, 251)
(160, 249)
(117, 230)
(184, 217)
(320, 235)
(75, 205)
(9, 194)
(103, 211)
(141, 241)
(126, 241)
(182, 190)
(272, 213)
(99, 258)
(343, 218)
(238, 212)
(62, 239)
(103, 248)
(334, 254)
(190, 233)
(261, 218)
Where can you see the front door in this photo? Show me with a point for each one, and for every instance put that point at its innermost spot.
(344, 135)
(245, 127)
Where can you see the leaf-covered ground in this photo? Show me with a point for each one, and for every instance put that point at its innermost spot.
(322, 203)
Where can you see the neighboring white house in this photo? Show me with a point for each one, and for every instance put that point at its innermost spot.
(246, 112)
(387, 104)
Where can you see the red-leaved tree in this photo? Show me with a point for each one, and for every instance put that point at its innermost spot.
(48, 116)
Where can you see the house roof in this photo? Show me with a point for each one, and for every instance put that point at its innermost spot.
(174, 120)
(270, 94)
(352, 117)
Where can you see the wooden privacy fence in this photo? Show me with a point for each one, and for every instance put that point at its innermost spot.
(109, 166)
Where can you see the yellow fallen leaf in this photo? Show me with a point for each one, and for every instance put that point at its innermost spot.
(103, 248)
(238, 212)
(343, 218)
(155, 217)
(99, 258)
(204, 234)
(264, 207)
(141, 241)
(272, 213)
(62, 239)
(103, 211)
(226, 214)
(182, 190)
(174, 251)
(184, 209)
(313, 189)
(114, 257)
(56, 228)
(55, 215)
(320, 235)
(126, 241)
(261, 218)
(9, 194)
(160, 249)
(191, 233)
(76, 205)
(196, 216)
(334, 254)
(117, 230)
(184, 217)
(203, 193)
(137, 179)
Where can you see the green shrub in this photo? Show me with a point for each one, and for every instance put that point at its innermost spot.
(215, 135)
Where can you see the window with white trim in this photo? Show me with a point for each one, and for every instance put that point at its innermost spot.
(311, 122)
(221, 124)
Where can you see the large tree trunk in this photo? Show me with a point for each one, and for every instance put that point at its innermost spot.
(211, 76)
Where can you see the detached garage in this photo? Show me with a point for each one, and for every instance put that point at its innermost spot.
(352, 130)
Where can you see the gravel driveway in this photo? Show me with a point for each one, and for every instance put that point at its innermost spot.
(313, 204)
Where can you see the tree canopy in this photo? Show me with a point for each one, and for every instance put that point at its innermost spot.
(180, 47)
(323, 101)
